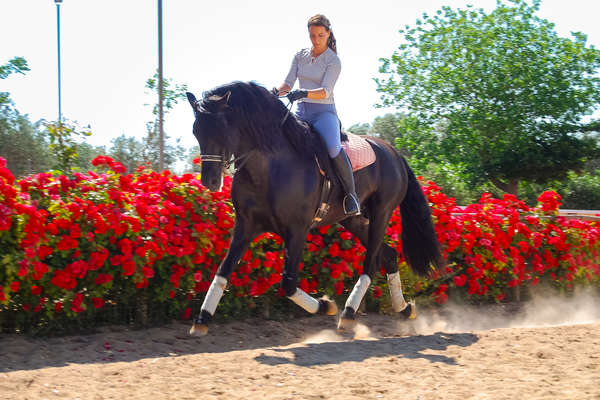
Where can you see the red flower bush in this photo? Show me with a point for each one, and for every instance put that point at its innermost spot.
(73, 246)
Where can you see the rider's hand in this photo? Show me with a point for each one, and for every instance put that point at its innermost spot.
(297, 94)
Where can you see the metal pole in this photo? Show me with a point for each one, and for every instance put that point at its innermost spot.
(160, 90)
(58, 2)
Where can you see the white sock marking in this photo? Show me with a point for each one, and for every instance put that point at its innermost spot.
(213, 296)
(358, 292)
(395, 285)
(305, 301)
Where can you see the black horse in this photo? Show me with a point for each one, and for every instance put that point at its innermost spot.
(277, 188)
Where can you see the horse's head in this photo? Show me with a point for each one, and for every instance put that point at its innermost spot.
(213, 131)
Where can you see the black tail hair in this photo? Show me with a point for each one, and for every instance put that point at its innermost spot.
(419, 241)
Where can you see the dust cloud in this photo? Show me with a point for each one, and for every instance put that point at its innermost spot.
(360, 332)
(544, 309)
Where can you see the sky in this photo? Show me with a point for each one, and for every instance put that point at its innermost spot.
(109, 50)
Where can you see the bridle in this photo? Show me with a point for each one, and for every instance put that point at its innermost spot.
(226, 163)
(218, 157)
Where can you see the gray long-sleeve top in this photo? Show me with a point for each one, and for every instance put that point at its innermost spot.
(315, 73)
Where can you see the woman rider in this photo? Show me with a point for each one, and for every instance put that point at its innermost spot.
(317, 69)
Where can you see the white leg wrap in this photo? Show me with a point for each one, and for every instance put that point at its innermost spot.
(360, 288)
(215, 291)
(395, 286)
(305, 301)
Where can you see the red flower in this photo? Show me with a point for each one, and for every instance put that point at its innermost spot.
(14, 286)
(76, 303)
(334, 250)
(118, 167)
(304, 285)
(460, 280)
(103, 278)
(97, 302)
(377, 292)
(77, 269)
(148, 272)
(339, 287)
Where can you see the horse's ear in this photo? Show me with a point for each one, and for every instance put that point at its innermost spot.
(220, 101)
(192, 99)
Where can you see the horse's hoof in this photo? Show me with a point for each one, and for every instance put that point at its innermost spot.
(410, 311)
(199, 330)
(347, 320)
(327, 306)
(345, 324)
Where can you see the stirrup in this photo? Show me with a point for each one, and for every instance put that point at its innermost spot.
(351, 197)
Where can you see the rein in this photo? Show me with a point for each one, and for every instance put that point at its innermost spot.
(287, 114)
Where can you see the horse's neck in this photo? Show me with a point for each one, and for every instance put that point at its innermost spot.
(260, 162)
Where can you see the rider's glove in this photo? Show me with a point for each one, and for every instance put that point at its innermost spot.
(275, 91)
(297, 94)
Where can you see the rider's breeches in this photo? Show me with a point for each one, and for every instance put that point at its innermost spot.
(323, 117)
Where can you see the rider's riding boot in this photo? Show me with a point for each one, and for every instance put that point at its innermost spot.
(343, 168)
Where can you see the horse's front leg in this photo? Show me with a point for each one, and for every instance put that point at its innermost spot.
(239, 243)
(294, 244)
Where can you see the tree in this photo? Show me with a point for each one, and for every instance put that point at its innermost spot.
(388, 127)
(15, 65)
(360, 129)
(500, 96)
(128, 151)
(63, 144)
(151, 152)
(86, 153)
(193, 153)
(22, 144)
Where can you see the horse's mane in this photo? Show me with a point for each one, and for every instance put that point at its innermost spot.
(260, 113)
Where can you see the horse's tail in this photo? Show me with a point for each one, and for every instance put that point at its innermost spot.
(419, 241)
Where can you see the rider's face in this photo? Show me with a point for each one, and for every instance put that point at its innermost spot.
(318, 36)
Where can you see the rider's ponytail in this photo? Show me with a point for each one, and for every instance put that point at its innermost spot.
(331, 42)
(321, 20)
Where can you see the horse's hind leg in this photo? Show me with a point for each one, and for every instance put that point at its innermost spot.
(378, 219)
(399, 304)
(294, 244)
(385, 255)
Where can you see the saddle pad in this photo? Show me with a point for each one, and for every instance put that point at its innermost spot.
(359, 151)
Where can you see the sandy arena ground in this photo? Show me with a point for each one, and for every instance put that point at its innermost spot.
(455, 353)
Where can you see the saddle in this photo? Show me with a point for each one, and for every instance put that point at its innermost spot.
(361, 155)
(357, 148)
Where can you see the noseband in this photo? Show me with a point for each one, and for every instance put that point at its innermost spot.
(226, 163)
